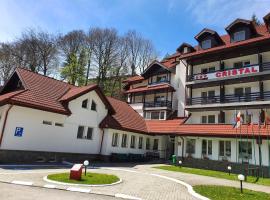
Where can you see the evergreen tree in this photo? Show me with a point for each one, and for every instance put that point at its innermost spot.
(255, 20)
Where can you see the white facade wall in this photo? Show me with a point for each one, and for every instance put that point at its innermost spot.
(107, 147)
(234, 149)
(50, 138)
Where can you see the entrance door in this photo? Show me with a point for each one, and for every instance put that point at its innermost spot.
(170, 147)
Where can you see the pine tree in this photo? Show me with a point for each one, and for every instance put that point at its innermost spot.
(255, 20)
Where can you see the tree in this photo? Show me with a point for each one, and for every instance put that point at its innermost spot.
(7, 62)
(74, 69)
(255, 19)
(141, 52)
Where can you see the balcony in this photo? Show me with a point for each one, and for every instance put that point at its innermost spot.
(230, 72)
(159, 82)
(232, 98)
(154, 104)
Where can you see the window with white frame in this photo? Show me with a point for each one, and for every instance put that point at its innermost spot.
(85, 133)
(225, 148)
(147, 145)
(245, 150)
(140, 146)
(190, 146)
(206, 147)
(206, 44)
(115, 139)
(132, 141)
(124, 141)
(94, 106)
(59, 124)
(155, 145)
(47, 122)
(161, 78)
(239, 36)
(85, 103)
(155, 115)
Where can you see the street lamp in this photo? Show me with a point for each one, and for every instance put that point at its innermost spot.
(85, 163)
(180, 163)
(229, 169)
(241, 178)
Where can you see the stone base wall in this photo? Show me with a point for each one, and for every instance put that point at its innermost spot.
(237, 168)
(13, 156)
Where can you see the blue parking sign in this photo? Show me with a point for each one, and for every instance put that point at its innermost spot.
(18, 132)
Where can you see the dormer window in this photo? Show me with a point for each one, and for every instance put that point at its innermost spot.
(206, 44)
(185, 50)
(94, 106)
(85, 104)
(239, 36)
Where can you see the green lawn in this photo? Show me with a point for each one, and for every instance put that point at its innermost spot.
(212, 173)
(90, 178)
(229, 193)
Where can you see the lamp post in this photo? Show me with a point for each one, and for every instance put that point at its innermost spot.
(229, 169)
(241, 178)
(85, 163)
(180, 163)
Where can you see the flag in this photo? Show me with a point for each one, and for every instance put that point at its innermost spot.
(238, 120)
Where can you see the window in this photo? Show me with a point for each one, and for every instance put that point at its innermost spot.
(206, 44)
(80, 132)
(159, 98)
(212, 69)
(225, 148)
(237, 65)
(155, 115)
(204, 71)
(94, 106)
(245, 150)
(161, 78)
(124, 141)
(47, 122)
(85, 103)
(211, 119)
(162, 115)
(147, 144)
(239, 36)
(185, 50)
(148, 115)
(155, 146)
(204, 119)
(115, 140)
(59, 124)
(238, 92)
(246, 63)
(89, 135)
(132, 141)
(191, 146)
(140, 142)
(207, 147)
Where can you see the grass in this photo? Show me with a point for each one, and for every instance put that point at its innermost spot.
(229, 193)
(90, 178)
(212, 173)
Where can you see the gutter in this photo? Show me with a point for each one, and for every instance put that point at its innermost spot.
(101, 143)
(4, 124)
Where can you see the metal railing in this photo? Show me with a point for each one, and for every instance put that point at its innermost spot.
(158, 104)
(231, 98)
(264, 66)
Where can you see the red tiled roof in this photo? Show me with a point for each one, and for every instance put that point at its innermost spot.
(125, 118)
(133, 79)
(44, 93)
(169, 63)
(164, 126)
(150, 88)
(221, 130)
(261, 30)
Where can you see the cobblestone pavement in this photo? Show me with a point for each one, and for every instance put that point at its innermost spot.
(138, 182)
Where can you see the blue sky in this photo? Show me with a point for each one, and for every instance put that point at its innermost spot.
(167, 23)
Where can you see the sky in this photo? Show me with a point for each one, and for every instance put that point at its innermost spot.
(168, 23)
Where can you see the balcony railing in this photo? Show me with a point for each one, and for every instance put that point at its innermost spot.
(231, 98)
(159, 82)
(158, 104)
(264, 67)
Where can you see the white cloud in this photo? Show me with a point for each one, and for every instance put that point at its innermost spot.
(220, 13)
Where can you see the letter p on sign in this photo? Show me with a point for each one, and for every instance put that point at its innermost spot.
(18, 132)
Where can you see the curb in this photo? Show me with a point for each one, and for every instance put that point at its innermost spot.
(45, 178)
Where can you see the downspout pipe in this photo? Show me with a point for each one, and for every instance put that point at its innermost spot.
(101, 143)
(182, 147)
(4, 124)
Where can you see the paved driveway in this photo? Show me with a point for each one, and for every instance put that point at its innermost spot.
(137, 183)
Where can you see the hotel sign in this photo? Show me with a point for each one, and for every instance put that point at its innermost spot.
(228, 73)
